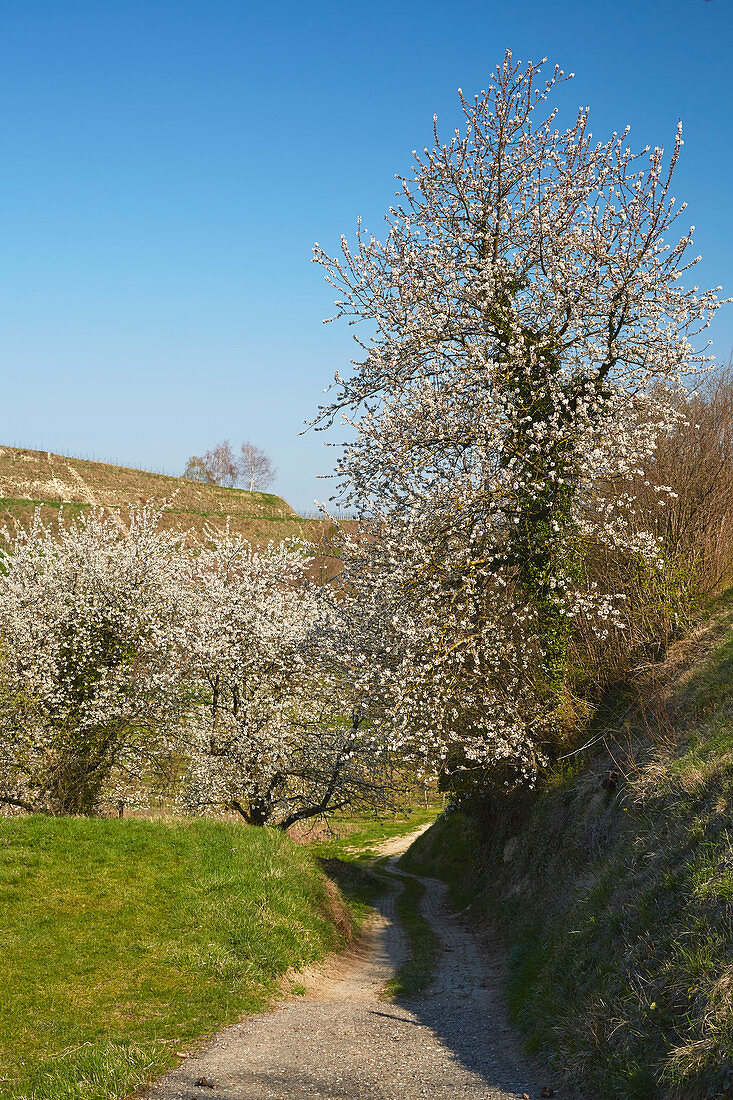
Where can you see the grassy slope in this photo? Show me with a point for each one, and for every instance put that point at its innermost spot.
(123, 940)
(613, 886)
(29, 479)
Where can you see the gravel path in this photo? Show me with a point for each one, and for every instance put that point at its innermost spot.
(343, 1041)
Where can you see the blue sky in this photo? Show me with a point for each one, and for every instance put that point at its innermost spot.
(167, 167)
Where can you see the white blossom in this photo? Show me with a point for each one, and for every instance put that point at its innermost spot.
(525, 321)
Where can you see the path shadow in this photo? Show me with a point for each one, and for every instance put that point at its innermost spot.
(464, 1008)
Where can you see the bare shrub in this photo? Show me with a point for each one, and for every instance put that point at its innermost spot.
(253, 469)
(696, 461)
(215, 467)
(683, 496)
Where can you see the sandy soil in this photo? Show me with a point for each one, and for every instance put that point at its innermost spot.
(398, 845)
(342, 1040)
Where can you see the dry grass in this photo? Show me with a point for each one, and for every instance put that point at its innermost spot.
(41, 475)
(61, 485)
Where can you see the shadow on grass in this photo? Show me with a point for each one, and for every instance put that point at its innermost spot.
(359, 884)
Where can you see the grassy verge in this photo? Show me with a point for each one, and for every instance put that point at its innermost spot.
(122, 941)
(357, 838)
(360, 884)
(613, 887)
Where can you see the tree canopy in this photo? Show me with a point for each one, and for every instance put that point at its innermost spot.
(528, 328)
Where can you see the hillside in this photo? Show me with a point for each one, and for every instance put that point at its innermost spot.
(32, 479)
(612, 884)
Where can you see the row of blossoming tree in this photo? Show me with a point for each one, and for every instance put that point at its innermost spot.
(133, 665)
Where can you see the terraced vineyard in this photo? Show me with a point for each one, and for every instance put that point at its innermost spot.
(60, 485)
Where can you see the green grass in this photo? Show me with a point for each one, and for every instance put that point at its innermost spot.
(125, 940)
(122, 941)
(357, 838)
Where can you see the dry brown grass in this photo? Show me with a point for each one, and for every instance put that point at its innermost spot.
(60, 485)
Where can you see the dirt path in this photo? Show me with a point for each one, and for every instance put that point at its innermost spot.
(397, 845)
(343, 1041)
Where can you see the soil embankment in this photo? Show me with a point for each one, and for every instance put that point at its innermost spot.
(612, 884)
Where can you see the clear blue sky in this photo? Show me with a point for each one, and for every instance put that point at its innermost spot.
(167, 166)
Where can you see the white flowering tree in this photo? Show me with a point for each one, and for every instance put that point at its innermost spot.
(278, 735)
(521, 314)
(92, 621)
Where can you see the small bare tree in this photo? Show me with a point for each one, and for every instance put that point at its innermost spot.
(196, 469)
(217, 466)
(255, 468)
